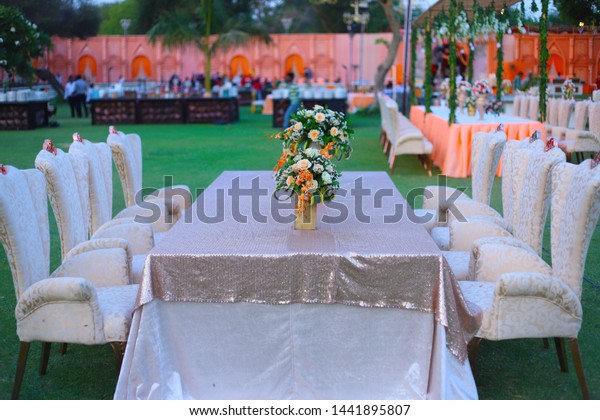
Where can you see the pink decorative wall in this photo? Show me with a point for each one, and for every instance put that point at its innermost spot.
(134, 56)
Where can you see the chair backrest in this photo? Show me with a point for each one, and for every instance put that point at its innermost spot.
(575, 211)
(99, 159)
(581, 113)
(393, 113)
(517, 105)
(552, 114)
(386, 123)
(127, 154)
(524, 110)
(486, 150)
(24, 230)
(514, 167)
(564, 112)
(68, 190)
(594, 119)
(533, 200)
(534, 108)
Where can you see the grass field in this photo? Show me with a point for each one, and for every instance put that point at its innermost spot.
(195, 155)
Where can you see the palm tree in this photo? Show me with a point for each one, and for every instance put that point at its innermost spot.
(181, 26)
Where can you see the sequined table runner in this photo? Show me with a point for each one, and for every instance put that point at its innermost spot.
(235, 245)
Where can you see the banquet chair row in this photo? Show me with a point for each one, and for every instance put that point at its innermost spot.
(400, 137)
(526, 106)
(87, 300)
(520, 294)
(585, 135)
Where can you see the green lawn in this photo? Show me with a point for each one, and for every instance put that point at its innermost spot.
(195, 155)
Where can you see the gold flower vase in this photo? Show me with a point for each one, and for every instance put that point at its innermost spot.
(471, 110)
(307, 219)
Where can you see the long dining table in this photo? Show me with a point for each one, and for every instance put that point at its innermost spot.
(452, 142)
(236, 304)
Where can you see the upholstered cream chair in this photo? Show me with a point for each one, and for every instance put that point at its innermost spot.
(517, 104)
(486, 151)
(99, 162)
(524, 109)
(405, 138)
(565, 109)
(127, 155)
(87, 300)
(534, 108)
(579, 140)
(521, 295)
(552, 114)
(67, 181)
(386, 124)
(530, 170)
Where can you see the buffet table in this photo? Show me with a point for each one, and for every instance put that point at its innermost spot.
(23, 115)
(163, 111)
(452, 143)
(236, 304)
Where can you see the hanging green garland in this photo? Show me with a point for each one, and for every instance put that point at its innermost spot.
(543, 59)
(499, 68)
(428, 71)
(413, 62)
(534, 6)
(452, 61)
(471, 60)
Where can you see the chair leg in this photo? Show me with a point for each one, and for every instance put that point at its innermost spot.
(119, 350)
(45, 358)
(392, 161)
(561, 352)
(63, 349)
(23, 352)
(473, 348)
(578, 364)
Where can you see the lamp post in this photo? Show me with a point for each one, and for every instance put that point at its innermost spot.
(354, 21)
(125, 24)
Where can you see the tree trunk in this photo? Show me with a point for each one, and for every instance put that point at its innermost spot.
(392, 47)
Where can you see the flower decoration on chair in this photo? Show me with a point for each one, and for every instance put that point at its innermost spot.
(309, 174)
(568, 89)
(3, 169)
(77, 137)
(494, 107)
(48, 146)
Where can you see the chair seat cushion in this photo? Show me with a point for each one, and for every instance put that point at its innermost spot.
(441, 236)
(116, 305)
(459, 263)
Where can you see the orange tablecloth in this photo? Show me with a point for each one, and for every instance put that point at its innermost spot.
(452, 144)
(359, 100)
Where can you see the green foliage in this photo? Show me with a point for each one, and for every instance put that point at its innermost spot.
(575, 11)
(65, 18)
(452, 13)
(413, 64)
(20, 42)
(113, 13)
(499, 67)
(428, 70)
(543, 59)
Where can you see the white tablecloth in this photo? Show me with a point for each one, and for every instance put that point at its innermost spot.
(388, 341)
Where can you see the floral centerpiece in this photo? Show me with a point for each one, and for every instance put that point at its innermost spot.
(305, 168)
(568, 89)
(463, 92)
(494, 107)
(481, 89)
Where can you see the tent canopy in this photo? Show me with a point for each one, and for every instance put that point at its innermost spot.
(436, 8)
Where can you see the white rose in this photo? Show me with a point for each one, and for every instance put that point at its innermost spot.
(320, 117)
(311, 152)
(318, 168)
(12, 29)
(312, 185)
(334, 131)
(329, 168)
(326, 178)
(298, 126)
(317, 107)
(314, 135)
(303, 164)
(309, 113)
(336, 122)
(290, 180)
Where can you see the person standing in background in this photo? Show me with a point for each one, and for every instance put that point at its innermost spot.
(80, 91)
(294, 98)
(69, 94)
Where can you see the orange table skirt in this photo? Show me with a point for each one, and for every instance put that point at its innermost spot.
(452, 143)
(358, 101)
